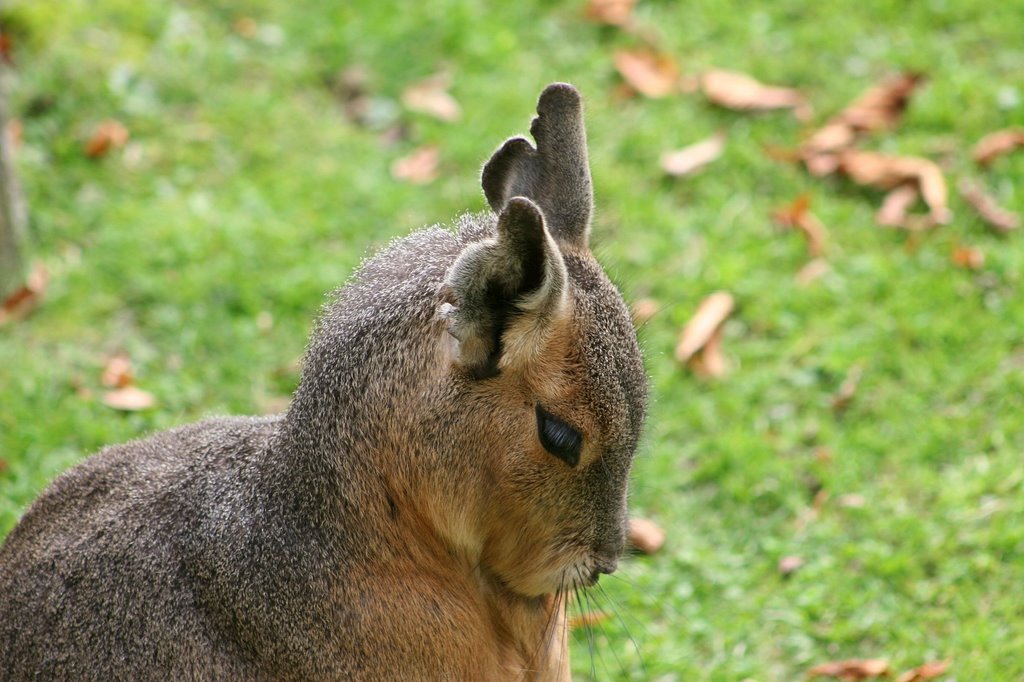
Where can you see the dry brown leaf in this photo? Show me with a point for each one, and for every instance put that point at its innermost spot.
(789, 565)
(880, 106)
(886, 172)
(652, 74)
(710, 361)
(852, 501)
(25, 298)
(117, 372)
(925, 671)
(610, 12)
(109, 134)
(7, 47)
(645, 535)
(799, 217)
(739, 91)
(814, 270)
(853, 669)
(710, 315)
(985, 204)
(419, 167)
(996, 144)
(896, 206)
(15, 132)
(694, 157)
(968, 257)
(430, 96)
(644, 310)
(848, 389)
(246, 27)
(129, 399)
(587, 619)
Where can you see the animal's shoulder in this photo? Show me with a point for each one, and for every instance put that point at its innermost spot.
(120, 481)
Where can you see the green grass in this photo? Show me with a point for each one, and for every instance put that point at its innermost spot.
(245, 190)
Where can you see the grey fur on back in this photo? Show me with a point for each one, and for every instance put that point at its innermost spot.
(365, 533)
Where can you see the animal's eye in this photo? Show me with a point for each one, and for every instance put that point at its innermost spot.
(558, 438)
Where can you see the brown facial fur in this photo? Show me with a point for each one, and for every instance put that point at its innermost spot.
(402, 520)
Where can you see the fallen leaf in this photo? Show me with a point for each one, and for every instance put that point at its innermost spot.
(812, 271)
(108, 135)
(6, 47)
(968, 257)
(419, 167)
(896, 205)
(852, 501)
(880, 106)
(925, 671)
(848, 389)
(831, 137)
(853, 669)
(739, 91)
(694, 157)
(246, 27)
(789, 565)
(652, 74)
(129, 399)
(15, 133)
(996, 144)
(710, 315)
(25, 298)
(610, 12)
(886, 172)
(711, 361)
(798, 216)
(117, 372)
(645, 536)
(587, 619)
(992, 213)
(644, 310)
(430, 96)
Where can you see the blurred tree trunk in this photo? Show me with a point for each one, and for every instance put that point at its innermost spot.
(12, 206)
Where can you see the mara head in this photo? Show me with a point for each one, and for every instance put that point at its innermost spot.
(502, 385)
(547, 382)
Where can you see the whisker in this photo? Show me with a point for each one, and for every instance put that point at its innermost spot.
(625, 627)
(537, 663)
(589, 633)
(597, 625)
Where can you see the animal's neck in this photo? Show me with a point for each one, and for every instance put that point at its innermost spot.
(532, 633)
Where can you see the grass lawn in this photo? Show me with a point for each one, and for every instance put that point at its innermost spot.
(204, 247)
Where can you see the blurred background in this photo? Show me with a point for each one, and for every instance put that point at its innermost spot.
(834, 447)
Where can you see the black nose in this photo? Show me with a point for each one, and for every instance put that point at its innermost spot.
(604, 565)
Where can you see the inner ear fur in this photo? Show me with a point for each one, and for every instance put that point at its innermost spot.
(555, 174)
(514, 281)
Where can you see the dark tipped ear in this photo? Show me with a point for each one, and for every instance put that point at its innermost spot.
(495, 281)
(556, 175)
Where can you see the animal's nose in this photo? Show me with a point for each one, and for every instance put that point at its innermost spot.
(605, 564)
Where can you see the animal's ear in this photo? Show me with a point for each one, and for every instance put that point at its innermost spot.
(509, 292)
(555, 175)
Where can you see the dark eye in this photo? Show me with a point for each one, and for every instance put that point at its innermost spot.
(558, 438)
